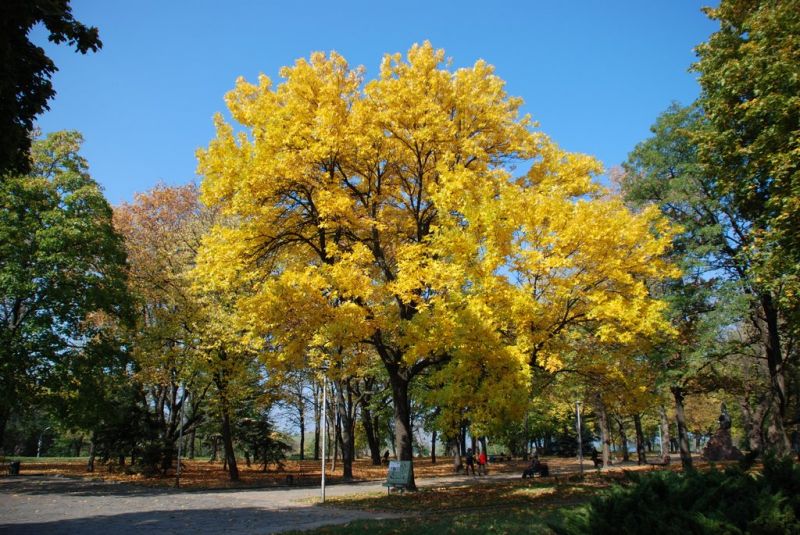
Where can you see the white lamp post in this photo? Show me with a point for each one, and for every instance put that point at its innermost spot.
(324, 430)
(580, 438)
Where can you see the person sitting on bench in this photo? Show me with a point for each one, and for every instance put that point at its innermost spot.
(598, 462)
(536, 467)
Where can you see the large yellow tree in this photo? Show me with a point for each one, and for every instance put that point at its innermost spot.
(386, 213)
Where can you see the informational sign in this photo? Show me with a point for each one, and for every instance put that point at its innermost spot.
(399, 474)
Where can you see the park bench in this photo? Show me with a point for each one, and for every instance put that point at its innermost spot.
(399, 476)
(541, 469)
(9, 467)
(664, 462)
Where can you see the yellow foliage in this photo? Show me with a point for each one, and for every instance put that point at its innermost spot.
(384, 214)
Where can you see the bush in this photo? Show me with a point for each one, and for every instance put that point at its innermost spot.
(730, 501)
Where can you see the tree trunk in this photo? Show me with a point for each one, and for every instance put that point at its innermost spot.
(463, 439)
(227, 442)
(605, 435)
(433, 447)
(777, 439)
(90, 462)
(641, 457)
(317, 419)
(214, 449)
(370, 432)
(402, 422)
(192, 438)
(392, 442)
(4, 414)
(336, 436)
(455, 449)
(302, 434)
(665, 438)
(623, 439)
(346, 428)
(753, 423)
(680, 420)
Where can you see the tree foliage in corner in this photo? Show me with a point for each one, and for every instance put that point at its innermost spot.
(750, 80)
(61, 267)
(25, 70)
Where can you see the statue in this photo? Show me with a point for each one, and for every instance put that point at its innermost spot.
(720, 447)
(724, 417)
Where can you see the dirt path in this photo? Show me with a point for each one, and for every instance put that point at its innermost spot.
(44, 505)
(63, 505)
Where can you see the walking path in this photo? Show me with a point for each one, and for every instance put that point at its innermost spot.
(34, 505)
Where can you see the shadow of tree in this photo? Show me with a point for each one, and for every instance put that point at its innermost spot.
(234, 521)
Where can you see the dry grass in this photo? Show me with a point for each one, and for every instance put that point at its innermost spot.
(202, 474)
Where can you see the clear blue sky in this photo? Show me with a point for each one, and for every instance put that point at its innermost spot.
(595, 74)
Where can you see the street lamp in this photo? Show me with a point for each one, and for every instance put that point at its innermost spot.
(41, 436)
(180, 439)
(580, 437)
(324, 427)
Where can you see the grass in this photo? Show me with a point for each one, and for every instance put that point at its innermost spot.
(508, 507)
(463, 498)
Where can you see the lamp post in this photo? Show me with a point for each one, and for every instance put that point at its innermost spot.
(580, 437)
(41, 437)
(324, 429)
(180, 439)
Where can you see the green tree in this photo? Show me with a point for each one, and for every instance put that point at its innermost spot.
(61, 264)
(25, 70)
(750, 79)
(720, 287)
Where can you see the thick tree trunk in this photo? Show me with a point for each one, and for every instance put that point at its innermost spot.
(623, 439)
(641, 457)
(777, 440)
(455, 449)
(372, 438)
(753, 423)
(463, 439)
(605, 435)
(227, 443)
(90, 462)
(192, 438)
(402, 422)
(665, 438)
(680, 420)
(433, 447)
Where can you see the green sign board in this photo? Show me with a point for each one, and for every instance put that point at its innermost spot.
(399, 474)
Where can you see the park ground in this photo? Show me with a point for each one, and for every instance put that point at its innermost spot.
(57, 497)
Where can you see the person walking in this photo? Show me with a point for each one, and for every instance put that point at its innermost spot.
(482, 467)
(470, 462)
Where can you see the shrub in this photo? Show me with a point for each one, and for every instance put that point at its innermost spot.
(730, 501)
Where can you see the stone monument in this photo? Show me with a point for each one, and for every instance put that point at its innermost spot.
(720, 447)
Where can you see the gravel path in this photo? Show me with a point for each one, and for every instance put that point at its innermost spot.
(35, 505)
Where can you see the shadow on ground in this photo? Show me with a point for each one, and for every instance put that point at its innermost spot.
(233, 521)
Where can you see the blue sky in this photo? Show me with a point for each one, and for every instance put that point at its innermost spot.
(595, 74)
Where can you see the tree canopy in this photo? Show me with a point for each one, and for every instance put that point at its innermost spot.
(61, 267)
(25, 70)
(385, 213)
